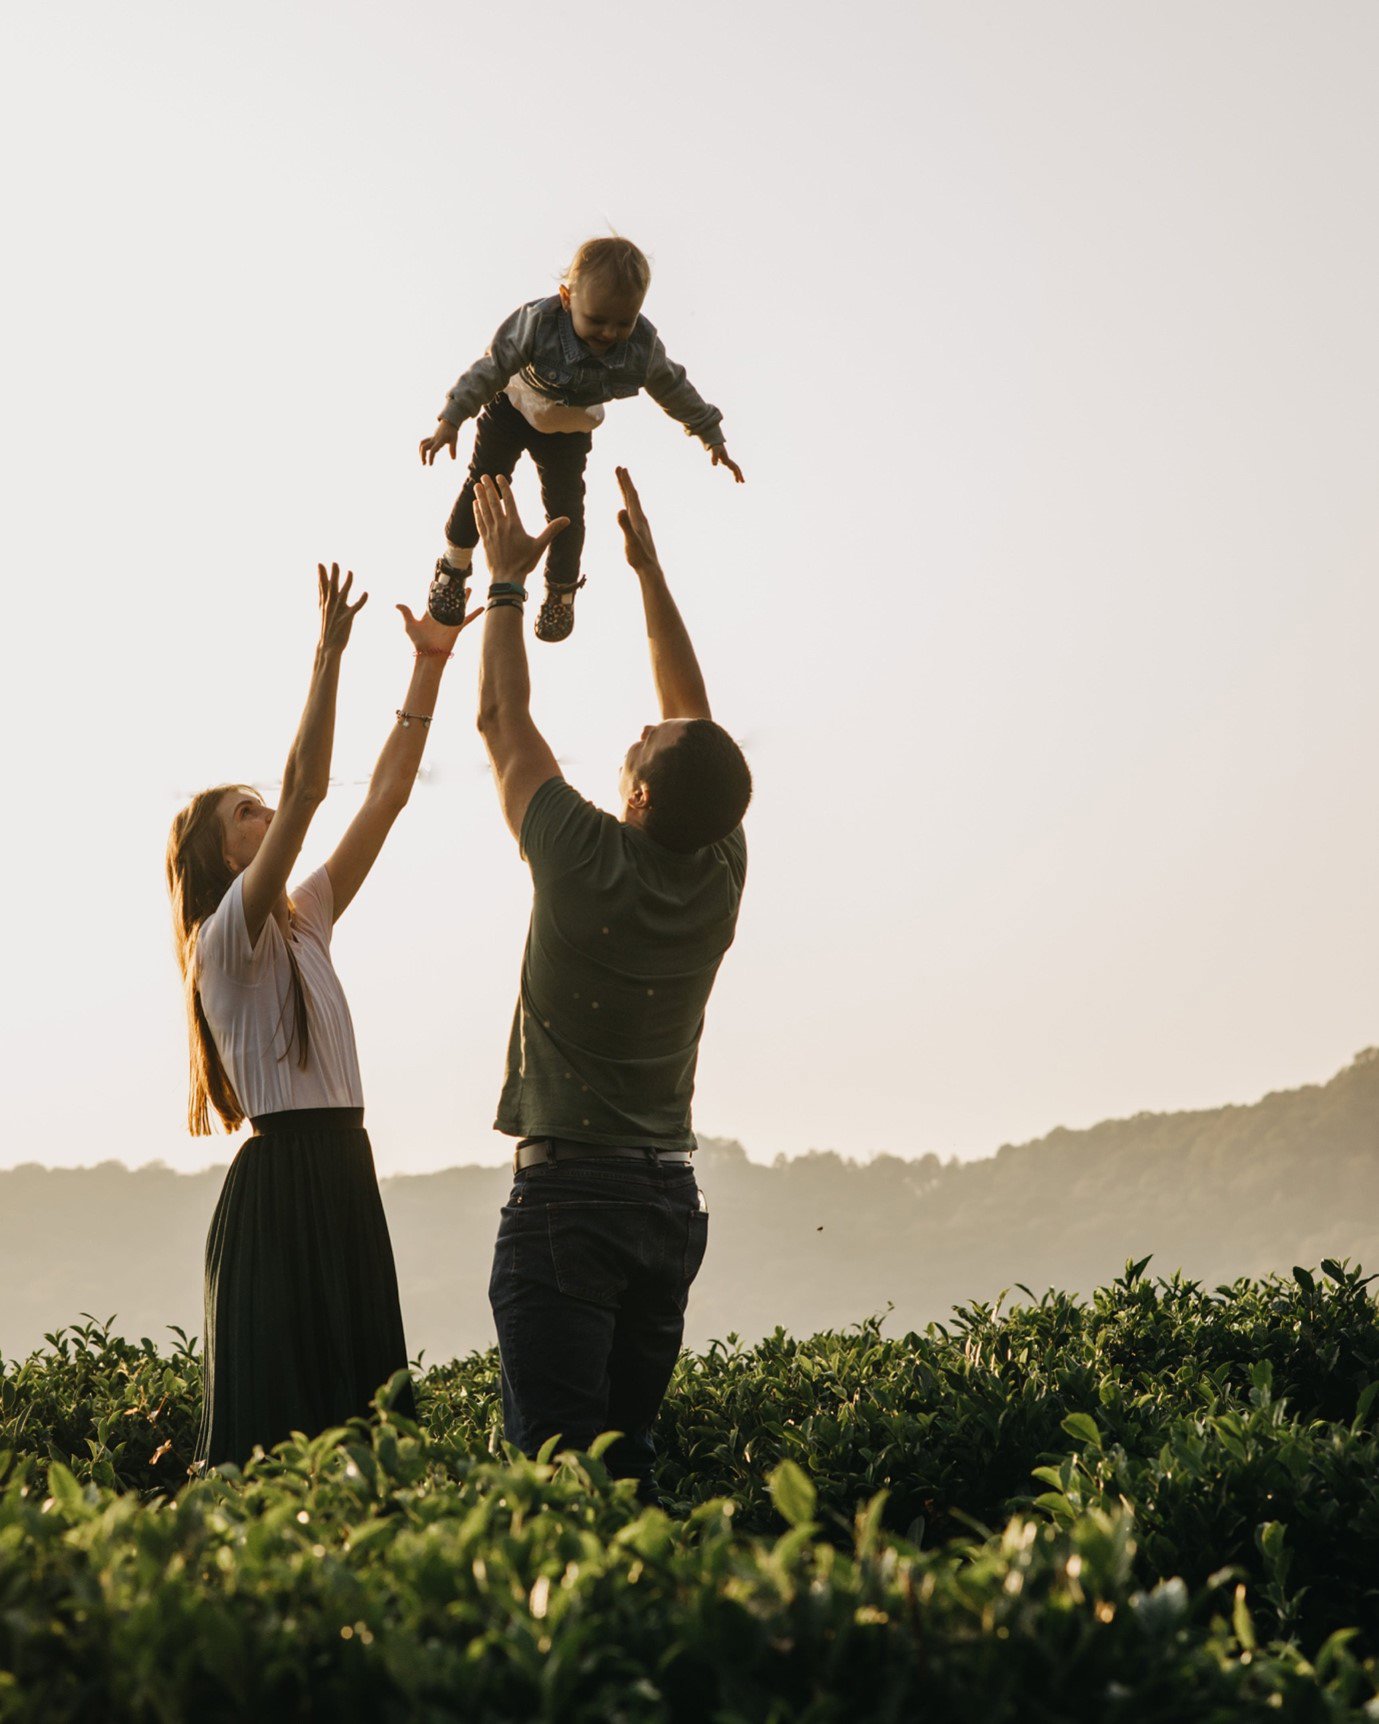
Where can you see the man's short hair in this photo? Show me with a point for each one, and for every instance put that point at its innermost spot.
(699, 788)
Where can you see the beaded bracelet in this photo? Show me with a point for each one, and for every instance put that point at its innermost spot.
(497, 604)
(405, 719)
(434, 652)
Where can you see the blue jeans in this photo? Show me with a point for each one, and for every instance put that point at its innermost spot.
(591, 1274)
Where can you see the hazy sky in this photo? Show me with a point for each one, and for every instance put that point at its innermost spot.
(1046, 336)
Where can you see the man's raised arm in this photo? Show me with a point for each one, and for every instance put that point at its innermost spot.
(679, 681)
(521, 758)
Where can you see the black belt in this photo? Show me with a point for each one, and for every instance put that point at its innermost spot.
(307, 1118)
(542, 1151)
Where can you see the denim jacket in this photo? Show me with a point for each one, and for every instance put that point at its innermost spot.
(539, 341)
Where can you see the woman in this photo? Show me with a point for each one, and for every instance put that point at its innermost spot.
(302, 1315)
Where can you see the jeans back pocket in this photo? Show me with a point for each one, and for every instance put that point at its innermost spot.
(597, 1247)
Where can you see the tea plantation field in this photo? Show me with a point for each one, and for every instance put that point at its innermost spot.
(1159, 1504)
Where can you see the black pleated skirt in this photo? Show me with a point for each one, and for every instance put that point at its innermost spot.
(303, 1323)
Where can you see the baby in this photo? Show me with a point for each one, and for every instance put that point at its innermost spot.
(541, 387)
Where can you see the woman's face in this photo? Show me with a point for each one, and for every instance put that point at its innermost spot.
(243, 821)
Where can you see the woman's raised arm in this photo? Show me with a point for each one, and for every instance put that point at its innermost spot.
(306, 776)
(396, 771)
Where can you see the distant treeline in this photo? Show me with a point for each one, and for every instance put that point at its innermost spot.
(810, 1243)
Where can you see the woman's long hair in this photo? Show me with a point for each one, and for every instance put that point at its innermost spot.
(198, 878)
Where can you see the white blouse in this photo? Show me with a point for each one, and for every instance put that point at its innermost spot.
(245, 992)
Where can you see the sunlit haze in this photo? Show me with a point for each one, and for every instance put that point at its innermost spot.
(1046, 339)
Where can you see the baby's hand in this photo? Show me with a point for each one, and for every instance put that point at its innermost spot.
(443, 437)
(721, 458)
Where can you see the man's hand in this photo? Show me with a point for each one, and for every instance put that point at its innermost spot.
(674, 668)
(636, 530)
(721, 458)
(443, 437)
(509, 549)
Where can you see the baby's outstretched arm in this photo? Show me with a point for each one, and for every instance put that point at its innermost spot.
(508, 352)
(721, 458)
(441, 438)
(667, 384)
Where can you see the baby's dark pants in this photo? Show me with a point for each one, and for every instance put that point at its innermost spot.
(500, 436)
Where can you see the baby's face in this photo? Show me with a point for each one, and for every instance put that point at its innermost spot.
(602, 315)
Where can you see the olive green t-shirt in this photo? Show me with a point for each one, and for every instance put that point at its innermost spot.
(625, 941)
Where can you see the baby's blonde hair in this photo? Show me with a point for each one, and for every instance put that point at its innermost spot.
(615, 262)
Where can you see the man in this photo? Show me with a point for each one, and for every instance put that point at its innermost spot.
(605, 1228)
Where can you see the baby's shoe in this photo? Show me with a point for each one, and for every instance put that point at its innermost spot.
(555, 620)
(448, 595)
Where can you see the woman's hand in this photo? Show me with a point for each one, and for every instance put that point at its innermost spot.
(306, 776)
(396, 771)
(721, 458)
(430, 637)
(443, 437)
(337, 613)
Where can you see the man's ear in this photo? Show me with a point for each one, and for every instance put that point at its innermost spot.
(639, 797)
(565, 296)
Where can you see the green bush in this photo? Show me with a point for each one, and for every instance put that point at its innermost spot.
(119, 1414)
(1158, 1504)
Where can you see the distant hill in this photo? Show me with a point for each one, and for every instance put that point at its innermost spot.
(810, 1243)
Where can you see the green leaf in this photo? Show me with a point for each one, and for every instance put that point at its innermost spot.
(64, 1489)
(1242, 1622)
(1304, 1279)
(370, 1532)
(869, 1523)
(1334, 1650)
(793, 1493)
(1083, 1428)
